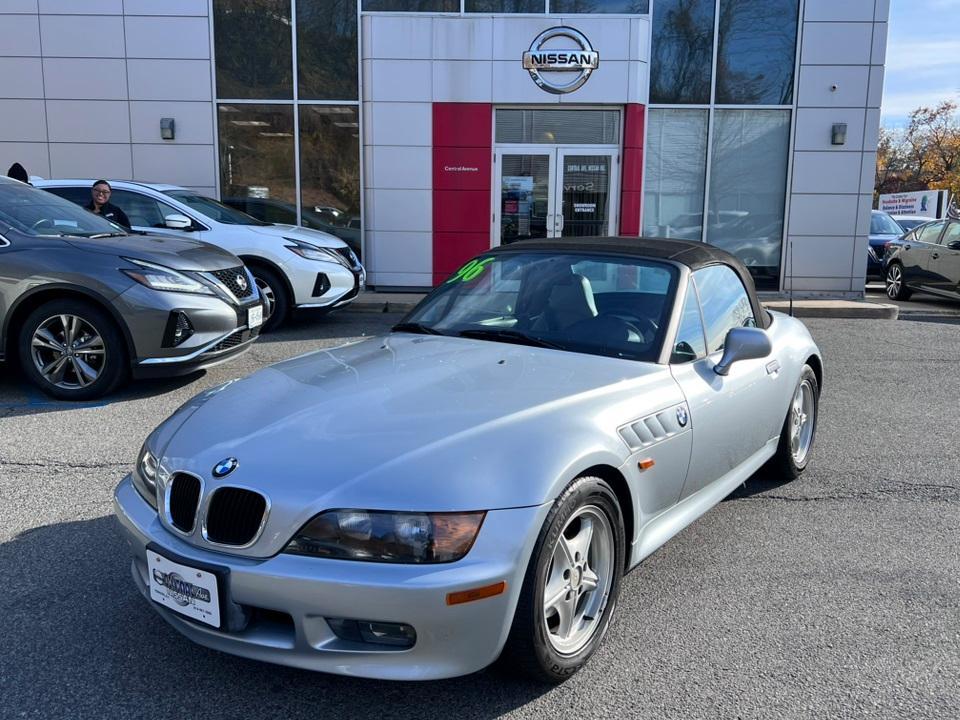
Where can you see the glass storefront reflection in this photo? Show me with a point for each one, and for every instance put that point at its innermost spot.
(626, 7)
(682, 57)
(756, 52)
(524, 197)
(327, 49)
(253, 49)
(256, 152)
(330, 170)
(411, 5)
(586, 195)
(505, 6)
(748, 177)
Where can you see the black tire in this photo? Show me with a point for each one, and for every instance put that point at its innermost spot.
(276, 297)
(528, 648)
(108, 357)
(786, 462)
(893, 279)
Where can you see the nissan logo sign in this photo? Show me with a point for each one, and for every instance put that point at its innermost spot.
(560, 70)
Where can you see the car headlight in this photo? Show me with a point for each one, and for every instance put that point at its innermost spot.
(393, 537)
(159, 277)
(145, 476)
(312, 252)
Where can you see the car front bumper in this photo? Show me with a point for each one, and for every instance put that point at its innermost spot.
(289, 597)
(338, 286)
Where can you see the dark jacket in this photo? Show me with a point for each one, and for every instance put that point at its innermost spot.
(111, 212)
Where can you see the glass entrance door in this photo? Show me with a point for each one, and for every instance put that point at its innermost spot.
(545, 192)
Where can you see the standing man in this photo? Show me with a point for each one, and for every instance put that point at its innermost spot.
(100, 204)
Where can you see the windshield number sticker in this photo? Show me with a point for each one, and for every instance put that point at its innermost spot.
(471, 271)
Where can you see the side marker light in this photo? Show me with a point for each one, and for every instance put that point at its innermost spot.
(465, 596)
(645, 464)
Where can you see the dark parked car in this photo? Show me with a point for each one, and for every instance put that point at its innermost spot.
(928, 259)
(284, 213)
(883, 229)
(83, 304)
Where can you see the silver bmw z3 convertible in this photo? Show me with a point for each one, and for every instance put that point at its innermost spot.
(475, 483)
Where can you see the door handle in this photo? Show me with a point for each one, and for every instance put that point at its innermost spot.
(934, 255)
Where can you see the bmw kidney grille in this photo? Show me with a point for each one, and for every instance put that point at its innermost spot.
(184, 497)
(234, 516)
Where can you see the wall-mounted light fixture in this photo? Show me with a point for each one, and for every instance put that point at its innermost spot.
(168, 129)
(838, 135)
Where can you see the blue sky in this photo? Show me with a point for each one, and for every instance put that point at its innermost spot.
(923, 57)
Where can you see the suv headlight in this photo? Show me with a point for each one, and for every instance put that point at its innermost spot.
(159, 277)
(145, 476)
(313, 252)
(393, 537)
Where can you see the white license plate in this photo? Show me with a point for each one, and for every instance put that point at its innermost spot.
(186, 590)
(255, 317)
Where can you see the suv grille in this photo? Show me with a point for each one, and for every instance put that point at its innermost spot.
(234, 516)
(184, 496)
(347, 253)
(236, 280)
(228, 342)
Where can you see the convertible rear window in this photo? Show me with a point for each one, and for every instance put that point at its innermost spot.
(577, 302)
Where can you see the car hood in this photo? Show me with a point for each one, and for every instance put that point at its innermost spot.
(409, 422)
(314, 237)
(176, 253)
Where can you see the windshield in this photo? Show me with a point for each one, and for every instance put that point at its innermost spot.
(212, 209)
(42, 214)
(911, 223)
(577, 302)
(883, 224)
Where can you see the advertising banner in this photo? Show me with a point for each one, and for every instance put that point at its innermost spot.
(928, 203)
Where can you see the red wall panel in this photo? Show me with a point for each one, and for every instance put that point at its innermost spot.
(462, 168)
(462, 125)
(451, 250)
(631, 183)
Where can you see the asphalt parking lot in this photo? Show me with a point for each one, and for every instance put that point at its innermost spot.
(837, 595)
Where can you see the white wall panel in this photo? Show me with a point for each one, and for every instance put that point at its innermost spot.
(871, 130)
(640, 39)
(400, 167)
(827, 172)
(639, 79)
(400, 124)
(168, 37)
(463, 81)
(21, 77)
(82, 36)
(401, 210)
(95, 121)
(392, 279)
(822, 256)
(863, 214)
(816, 86)
(875, 92)
(829, 215)
(834, 11)
(193, 122)
(400, 80)
(882, 13)
(169, 79)
(609, 37)
(20, 36)
(513, 84)
(879, 55)
(609, 83)
(399, 37)
(401, 252)
(459, 39)
(868, 172)
(90, 160)
(81, 7)
(23, 121)
(814, 129)
(35, 157)
(858, 272)
(85, 78)
(513, 35)
(828, 286)
(167, 7)
(175, 164)
(836, 43)
(19, 6)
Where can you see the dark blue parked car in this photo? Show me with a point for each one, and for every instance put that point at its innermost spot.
(883, 229)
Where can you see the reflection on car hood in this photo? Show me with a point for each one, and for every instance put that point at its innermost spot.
(176, 253)
(314, 237)
(415, 422)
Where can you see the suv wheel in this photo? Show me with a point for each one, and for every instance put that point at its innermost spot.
(276, 302)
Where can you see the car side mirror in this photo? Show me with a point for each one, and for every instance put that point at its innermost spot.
(744, 343)
(177, 222)
(955, 245)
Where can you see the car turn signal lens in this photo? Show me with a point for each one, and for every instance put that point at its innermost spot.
(465, 596)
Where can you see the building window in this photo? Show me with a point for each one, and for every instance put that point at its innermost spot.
(504, 6)
(748, 184)
(327, 49)
(756, 52)
(682, 56)
(253, 48)
(411, 5)
(257, 153)
(330, 170)
(625, 7)
(553, 127)
(676, 166)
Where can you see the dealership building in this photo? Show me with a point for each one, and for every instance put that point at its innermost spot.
(436, 129)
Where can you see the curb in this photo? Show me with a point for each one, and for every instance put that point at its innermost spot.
(841, 309)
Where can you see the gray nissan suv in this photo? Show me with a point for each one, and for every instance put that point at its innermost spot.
(84, 305)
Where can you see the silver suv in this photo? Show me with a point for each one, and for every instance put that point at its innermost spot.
(84, 305)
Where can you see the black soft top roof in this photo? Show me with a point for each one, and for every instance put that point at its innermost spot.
(694, 255)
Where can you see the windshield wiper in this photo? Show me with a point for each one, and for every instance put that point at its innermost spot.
(509, 336)
(415, 327)
(103, 235)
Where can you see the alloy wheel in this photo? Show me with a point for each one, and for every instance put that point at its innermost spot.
(579, 579)
(802, 416)
(894, 281)
(269, 296)
(68, 352)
